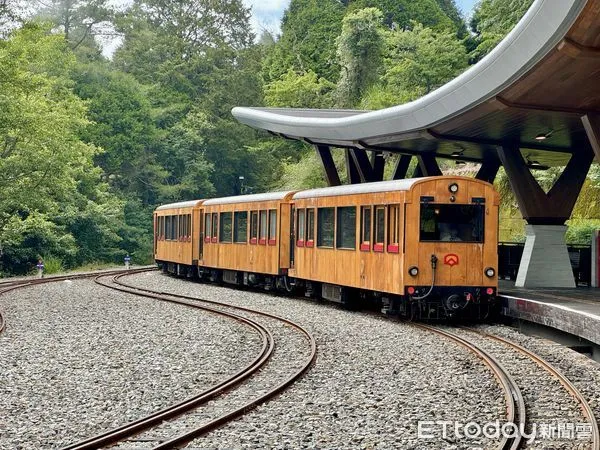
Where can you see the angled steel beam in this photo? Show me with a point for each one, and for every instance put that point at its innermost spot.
(591, 123)
(537, 207)
(488, 170)
(378, 164)
(428, 165)
(363, 165)
(401, 168)
(351, 169)
(331, 173)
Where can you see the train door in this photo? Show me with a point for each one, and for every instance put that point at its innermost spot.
(155, 234)
(200, 225)
(292, 235)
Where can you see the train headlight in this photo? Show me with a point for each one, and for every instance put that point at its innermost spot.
(413, 271)
(453, 188)
(490, 272)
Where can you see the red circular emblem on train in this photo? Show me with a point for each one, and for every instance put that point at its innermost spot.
(451, 259)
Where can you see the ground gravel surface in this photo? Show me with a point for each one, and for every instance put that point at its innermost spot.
(374, 380)
(582, 371)
(547, 402)
(78, 358)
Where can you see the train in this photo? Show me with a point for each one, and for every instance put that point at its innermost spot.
(422, 248)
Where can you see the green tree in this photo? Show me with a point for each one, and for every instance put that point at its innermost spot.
(79, 20)
(421, 60)
(307, 43)
(360, 55)
(46, 173)
(299, 91)
(399, 14)
(491, 22)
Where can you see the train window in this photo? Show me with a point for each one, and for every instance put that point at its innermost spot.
(379, 238)
(240, 226)
(181, 231)
(325, 227)
(272, 226)
(365, 228)
(253, 227)
(225, 228)
(188, 226)
(175, 228)
(452, 223)
(393, 229)
(346, 227)
(262, 227)
(168, 228)
(207, 227)
(161, 228)
(310, 227)
(215, 224)
(300, 228)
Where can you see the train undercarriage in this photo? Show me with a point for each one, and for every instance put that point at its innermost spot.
(419, 303)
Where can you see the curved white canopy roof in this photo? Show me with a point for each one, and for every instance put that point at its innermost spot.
(539, 31)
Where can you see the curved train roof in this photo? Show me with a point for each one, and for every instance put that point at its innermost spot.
(251, 198)
(523, 87)
(368, 188)
(178, 205)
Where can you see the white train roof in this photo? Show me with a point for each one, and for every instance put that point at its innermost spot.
(251, 198)
(178, 205)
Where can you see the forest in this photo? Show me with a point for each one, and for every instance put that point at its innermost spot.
(91, 142)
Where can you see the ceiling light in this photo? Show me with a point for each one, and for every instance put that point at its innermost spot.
(543, 136)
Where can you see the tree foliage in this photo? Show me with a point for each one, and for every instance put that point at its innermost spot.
(46, 174)
(360, 54)
(492, 20)
(309, 29)
(300, 91)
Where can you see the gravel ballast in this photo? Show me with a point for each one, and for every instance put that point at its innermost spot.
(80, 359)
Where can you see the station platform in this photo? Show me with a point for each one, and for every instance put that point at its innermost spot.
(575, 311)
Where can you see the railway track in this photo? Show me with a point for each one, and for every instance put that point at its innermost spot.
(537, 378)
(157, 429)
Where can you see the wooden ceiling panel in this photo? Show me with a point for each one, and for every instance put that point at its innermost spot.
(586, 30)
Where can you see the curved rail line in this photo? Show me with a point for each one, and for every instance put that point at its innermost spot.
(112, 436)
(586, 409)
(117, 434)
(515, 404)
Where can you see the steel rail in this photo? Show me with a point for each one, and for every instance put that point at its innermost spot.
(515, 404)
(117, 434)
(586, 409)
(240, 411)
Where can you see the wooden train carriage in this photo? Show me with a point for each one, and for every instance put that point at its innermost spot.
(247, 233)
(368, 236)
(177, 244)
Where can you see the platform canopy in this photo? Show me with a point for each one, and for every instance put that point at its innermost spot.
(539, 90)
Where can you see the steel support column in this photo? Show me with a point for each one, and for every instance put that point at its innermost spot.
(351, 169)
(428, 165)
(545, 261)
(537, 207)
(488, 170)
(378, 164)
(363, 165)
(591, 123)
(331, 173)
(401, 168)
